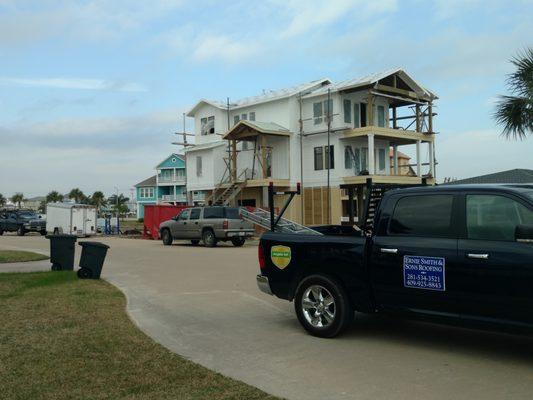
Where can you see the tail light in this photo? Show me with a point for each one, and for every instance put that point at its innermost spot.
(225, 224)
(261, 256)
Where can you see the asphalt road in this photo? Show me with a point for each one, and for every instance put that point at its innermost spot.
(203, 304)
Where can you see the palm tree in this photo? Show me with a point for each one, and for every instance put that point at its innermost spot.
(98, 200)
(3, 200)
(77, 195)
(17, 198)
(54, 197)
(515, 112)
(119, 204)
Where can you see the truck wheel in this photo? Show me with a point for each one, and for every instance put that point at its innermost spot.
(237, 241)
(209, 239)
(21, 231)
(42, 233)
(195, 242)
(322, 306)
(167, 237)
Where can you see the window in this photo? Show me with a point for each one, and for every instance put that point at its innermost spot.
(381, 116)
(492, 217)
(235, 119)
(252, 116)
(244, 117)
(381, 159)
(317, 114)
(357, 160)
(198, 166)
(356, 112)
(330, 157)
(347, 105)
(362, 115)
(428, 215)
(207, 126)
(213, 212)
(233, 213)
(364, 159)
(348, 159)
(146, 192)
(245, 145)
(184, 215)
(195, 213)
(319, 158)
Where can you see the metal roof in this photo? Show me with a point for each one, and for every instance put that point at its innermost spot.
(510, 176)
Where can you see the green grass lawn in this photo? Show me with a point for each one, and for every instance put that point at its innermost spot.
(64, 338)
(8, 256)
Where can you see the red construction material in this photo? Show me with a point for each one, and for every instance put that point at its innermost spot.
(154, 214)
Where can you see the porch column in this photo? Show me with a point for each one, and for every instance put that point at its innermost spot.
(174, 188)
(233, 160)
(431, 159)
(395, 158)
(433, 167)
(350, 206)
(371, 163)
(418, 165)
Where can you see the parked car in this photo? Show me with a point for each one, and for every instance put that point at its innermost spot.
(454, 254)
(21, 221)
(209, 224)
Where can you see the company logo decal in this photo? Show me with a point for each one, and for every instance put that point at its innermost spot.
(280, 256)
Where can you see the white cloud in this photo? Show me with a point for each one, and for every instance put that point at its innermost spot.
(222, 48)
(74, 83)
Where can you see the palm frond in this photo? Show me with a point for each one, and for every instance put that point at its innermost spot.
(516, 115)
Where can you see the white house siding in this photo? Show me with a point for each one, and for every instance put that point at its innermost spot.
(221, 123)
(213, 168)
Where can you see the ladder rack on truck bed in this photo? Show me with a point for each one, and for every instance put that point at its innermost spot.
(276, 223)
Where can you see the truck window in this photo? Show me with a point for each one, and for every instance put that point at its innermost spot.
(213, 212)
(426, 215)
(195, 213)
(184, 215)
(493, 217)
(232, 213)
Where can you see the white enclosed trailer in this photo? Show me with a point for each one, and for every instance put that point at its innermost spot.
(74, 219)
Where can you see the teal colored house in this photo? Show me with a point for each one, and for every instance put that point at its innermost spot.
(168, 186)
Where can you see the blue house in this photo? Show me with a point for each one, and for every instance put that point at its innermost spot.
(168, 186)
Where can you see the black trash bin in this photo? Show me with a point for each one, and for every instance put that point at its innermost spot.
(62, 251)
(92, 259)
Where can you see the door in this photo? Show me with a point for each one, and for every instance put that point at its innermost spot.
(497, 271)
(413, 257)
(179, 227)
(78, 220)
(193, 227)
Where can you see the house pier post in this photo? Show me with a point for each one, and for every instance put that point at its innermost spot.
(371, 163)
(395, 158)
(418, 164)
(431, 159)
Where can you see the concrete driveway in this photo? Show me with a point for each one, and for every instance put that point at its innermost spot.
(204, 304)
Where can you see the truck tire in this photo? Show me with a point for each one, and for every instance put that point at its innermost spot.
(166, 237)
(237, 241)
(21, 231)
(209, 238)
(43, 233)
(322, 306)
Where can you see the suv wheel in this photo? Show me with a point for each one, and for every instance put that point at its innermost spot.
(167, 237)
(322, 306)
(209, 239)
(237, 241)
(21, 231)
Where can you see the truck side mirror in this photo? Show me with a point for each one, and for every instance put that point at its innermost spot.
(524, 233)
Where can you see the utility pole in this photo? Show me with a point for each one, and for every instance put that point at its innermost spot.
(302, 200)
(329, 155)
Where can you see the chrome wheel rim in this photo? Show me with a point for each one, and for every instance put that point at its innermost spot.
(318, 306)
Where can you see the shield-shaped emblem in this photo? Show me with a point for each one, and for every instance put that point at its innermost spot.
(280, 256)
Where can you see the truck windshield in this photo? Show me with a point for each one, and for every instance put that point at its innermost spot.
(27, 215)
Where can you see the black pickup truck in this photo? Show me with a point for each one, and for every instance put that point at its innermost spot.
(460, 254)
(21, 221)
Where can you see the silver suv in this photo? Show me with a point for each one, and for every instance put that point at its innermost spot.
(209, 224)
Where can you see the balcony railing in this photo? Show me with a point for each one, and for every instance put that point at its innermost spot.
(171, 179)
(198, 196)
(170, 197)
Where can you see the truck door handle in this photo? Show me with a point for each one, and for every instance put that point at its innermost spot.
(478, 256)
(389, 251)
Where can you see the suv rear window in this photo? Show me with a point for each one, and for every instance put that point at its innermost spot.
(233, 213)
(427, 215)
(213, 212)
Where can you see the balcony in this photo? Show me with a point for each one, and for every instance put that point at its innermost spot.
(171, 180)
(181, 198)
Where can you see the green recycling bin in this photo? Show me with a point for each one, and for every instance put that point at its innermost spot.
(62, 251)
(92, 259)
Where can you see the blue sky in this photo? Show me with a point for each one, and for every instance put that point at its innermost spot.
(91, 91)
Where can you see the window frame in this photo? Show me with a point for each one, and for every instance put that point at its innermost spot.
(347, 110)
(463, 210)
(329, 155)
(316, 150)
(251, 116)
(454, 232)
(192, 210)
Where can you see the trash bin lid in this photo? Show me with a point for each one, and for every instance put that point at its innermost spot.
(96, 244)
(61, 236)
